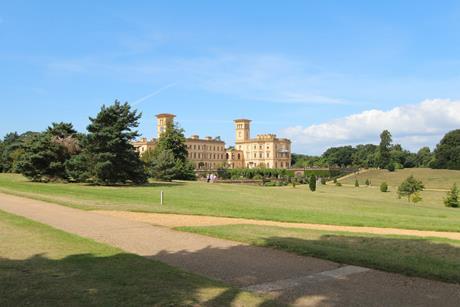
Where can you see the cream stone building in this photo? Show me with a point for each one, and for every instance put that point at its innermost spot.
(266, 150)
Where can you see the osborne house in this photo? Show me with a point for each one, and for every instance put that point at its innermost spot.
(265, 150)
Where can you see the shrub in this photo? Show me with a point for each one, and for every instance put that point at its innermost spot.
(452, 197)
(368, 182)
(384, 187)
(391, 167)
(356, 183)
(338, 184)
(335, 180)
(323, 181)
(312, 183)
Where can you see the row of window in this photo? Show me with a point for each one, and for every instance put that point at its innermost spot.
(261, 147)
(204, 147)
(209, 156)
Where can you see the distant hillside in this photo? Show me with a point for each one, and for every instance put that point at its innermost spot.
(432, 178)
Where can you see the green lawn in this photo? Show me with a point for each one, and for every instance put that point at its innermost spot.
(424, 257)
(42, 266)
(328, 205)
(432, 178)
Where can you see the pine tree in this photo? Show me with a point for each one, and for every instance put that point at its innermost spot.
(452, 199)
(312, 183)
(108, 156)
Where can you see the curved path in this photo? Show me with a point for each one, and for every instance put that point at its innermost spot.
(177, 220)
(290, 278)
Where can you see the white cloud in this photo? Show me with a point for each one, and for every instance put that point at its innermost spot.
(413, 126)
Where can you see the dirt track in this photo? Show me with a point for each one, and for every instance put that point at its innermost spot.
(177, 220)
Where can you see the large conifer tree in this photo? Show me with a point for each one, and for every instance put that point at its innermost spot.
(108, 156)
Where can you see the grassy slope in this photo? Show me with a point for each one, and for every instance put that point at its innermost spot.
(424, 257)
(432, 178)
(328, 205)
(43, 266)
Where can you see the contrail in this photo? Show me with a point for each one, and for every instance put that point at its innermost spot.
(152, 94)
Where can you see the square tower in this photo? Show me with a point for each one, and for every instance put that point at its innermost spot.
(163, 120)
(243, 129)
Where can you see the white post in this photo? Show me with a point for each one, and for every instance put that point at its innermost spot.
(161, 197)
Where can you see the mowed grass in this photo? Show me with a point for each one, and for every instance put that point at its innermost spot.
(423, 257)
(431, 178)
(42, 266)
(328, 205)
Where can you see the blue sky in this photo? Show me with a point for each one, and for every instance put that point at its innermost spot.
(324, 73)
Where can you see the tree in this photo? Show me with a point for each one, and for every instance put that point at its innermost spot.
(424, 157)
(356, 183)
(108, 156)
(365, 156)
(410, 188)
(312, 183)
(172, 140)
(447, 152)
(163, 166)
(367, 182)
(452, 198)
(45, 154)
(341, 156)
(384, 155)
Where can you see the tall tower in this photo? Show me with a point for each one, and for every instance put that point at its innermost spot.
(163, 120)
(242, 129)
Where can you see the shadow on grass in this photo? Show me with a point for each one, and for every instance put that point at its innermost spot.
(118, 280)
(419, 257)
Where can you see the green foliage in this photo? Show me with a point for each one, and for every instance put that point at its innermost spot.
(45, 154)
(168, 160)
(300, 161)
(163, 166)
(323, 181)
(356, 183)
(335, 180)
(409, 188)
(447, 152)
(340, 156)
(391, 167)
(312, 183)
(384, 155)
(452, 198)
(250, 173)
(173, 139)
(384, 187)
(424, 157)
(365, 156)
(367, 182)
(338, 184)
(12, 150)
(107, 155)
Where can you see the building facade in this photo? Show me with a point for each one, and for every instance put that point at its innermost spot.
(265, 150)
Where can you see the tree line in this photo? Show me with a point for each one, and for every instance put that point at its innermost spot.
(387, 155)
(104, 155)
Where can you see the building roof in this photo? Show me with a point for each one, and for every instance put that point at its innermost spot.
(242, 120)
(165, 115)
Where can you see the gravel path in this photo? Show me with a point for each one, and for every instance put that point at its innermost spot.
(177, 220)
(298, 280)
